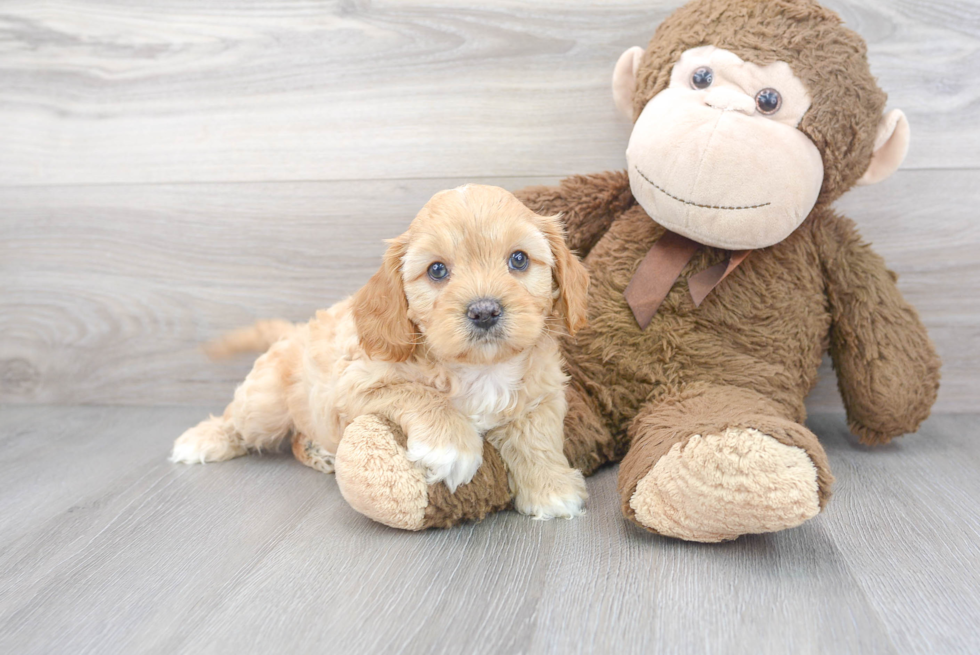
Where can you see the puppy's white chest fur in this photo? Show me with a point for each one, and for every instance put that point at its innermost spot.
(486, 393)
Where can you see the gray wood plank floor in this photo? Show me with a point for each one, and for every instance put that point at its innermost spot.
(105, 547)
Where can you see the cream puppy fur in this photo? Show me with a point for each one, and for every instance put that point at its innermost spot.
(454, 339)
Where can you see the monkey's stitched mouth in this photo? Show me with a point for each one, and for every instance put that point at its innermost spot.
(688, 202)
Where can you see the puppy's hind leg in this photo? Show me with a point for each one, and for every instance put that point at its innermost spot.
(313, 454)
(257, 419)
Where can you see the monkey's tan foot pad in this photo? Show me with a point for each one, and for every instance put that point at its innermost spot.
(313, 454)
(717, 487)
(376, 477)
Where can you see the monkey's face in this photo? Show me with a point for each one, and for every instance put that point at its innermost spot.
(717, 156)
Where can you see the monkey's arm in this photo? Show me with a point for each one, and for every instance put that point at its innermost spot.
(588, 204)
(887, 367)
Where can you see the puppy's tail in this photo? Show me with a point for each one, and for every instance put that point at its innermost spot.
(255, 338)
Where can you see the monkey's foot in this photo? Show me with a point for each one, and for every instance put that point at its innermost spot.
(717, 487)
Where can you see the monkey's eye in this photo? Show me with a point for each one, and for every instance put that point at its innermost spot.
(438, 271)
(702, 78)
(518, 261)
(768, 101)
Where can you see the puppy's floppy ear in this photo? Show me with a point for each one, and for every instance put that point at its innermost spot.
(570, 275)
(381, 309)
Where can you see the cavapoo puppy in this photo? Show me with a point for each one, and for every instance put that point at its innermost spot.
(455, 339)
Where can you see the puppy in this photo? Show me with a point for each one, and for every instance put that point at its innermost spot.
(454, 339)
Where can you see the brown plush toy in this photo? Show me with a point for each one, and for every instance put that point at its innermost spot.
(720, 276)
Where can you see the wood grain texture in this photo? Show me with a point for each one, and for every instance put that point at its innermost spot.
(125, 552)
(125, 239)
(105, 91)
(111, 290)
(169, 171)
(904, 517)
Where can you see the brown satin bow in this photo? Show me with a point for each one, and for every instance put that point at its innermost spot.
(662, 266)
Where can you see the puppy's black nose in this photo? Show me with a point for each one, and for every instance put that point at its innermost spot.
(484, 313)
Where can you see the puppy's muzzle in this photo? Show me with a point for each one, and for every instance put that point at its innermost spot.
(484, 313)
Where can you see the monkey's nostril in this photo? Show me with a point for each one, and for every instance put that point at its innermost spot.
(484, 313)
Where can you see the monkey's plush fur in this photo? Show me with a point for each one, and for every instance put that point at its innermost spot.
(699, 405)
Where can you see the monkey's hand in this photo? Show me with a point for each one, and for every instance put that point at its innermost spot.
(887, 367)
(588, 204)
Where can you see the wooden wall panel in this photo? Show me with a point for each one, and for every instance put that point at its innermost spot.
(109, 290)
(171, 170)
(102, 92)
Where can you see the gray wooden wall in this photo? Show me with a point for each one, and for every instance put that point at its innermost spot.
(171, 170)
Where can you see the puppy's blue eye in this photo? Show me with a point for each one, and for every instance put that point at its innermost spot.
(518, 260)
(438, 271)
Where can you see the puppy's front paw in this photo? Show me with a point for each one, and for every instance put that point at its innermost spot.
(449, 464)
(559, 496)
(208, 441)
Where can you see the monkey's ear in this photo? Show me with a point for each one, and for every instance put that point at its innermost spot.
(891, 146)
(624, 80)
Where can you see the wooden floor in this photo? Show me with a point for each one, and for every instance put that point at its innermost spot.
(105, 547)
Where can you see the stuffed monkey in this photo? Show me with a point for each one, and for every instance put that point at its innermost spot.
(720, 275)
